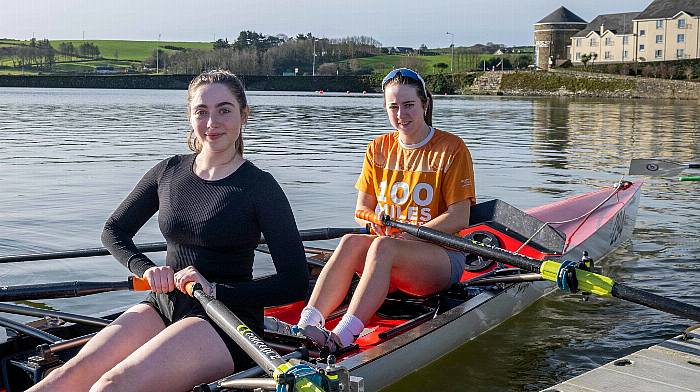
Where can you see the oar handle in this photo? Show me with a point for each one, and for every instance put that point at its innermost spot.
(694, 165)
(138, 284)
(689, 178)
(369, 217)
(658, 302)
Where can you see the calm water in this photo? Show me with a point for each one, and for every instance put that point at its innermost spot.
(70, 156)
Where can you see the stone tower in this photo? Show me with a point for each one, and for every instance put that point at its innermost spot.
(553, 36)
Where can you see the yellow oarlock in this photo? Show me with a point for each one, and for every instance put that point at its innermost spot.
(301, 385)
(587, 281)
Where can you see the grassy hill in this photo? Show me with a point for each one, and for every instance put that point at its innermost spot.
(115, 53)
(132, 50)
(427, 64)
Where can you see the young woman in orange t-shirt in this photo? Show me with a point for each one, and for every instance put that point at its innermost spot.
(417, 174)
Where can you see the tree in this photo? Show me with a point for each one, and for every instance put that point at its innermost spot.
(585, 58)
(221, 44)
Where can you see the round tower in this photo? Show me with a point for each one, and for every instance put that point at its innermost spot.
(553, 36)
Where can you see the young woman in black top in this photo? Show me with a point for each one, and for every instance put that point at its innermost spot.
(212, 208)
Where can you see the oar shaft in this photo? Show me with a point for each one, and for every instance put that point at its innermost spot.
(68, 289)
(306, 235)
(465, 245)
(689, 178)
(266, 357)
(657, 302)
(587, 280)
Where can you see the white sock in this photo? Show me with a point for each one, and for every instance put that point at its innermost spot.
(311, 316)
(348, 329)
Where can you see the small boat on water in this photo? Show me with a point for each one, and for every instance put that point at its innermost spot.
(407, 333)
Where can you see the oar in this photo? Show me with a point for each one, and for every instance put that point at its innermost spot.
(306, 235)
(298, 378)
(549, 269)
(658, 167)
(68, 289)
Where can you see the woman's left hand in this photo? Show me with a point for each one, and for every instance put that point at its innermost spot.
(190, 274)
(405, 236)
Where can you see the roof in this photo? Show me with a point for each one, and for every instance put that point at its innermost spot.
(617, 23)
(669, 8)
(561, 15)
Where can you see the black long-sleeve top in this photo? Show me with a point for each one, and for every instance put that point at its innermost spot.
(215, 227)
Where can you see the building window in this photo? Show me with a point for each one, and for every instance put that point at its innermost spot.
(641, 47)
(608, 55)
(681, 23)
(680, 38)
(594, 42)
(642, 33)
(625, 54)
(658, 53)
(659, 24)
(608, 41)
(578, 56)
(659, 39)
(625, 39)
(578, 42)
(680, 53)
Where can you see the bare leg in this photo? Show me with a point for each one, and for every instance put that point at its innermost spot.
(110, 346)
(187, 353)
(336, 276)
(415, 267)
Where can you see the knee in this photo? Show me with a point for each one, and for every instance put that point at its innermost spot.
(109, 382)
(382, 251)
(352, 243)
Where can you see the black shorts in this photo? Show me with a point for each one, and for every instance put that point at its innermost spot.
(175, 306)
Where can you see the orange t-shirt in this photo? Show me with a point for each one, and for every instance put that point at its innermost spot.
(416, 183)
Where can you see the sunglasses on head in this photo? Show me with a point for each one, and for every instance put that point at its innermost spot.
(406, 73)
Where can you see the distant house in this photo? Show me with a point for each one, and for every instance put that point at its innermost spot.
(664, 30)
(398, 50)
(105, 69)
(610, 37)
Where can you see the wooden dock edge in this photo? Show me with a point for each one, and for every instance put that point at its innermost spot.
(673, 366)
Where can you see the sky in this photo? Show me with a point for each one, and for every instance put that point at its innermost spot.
(393, 23)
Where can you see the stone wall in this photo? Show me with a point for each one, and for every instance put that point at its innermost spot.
(180, 82)
(584, 84)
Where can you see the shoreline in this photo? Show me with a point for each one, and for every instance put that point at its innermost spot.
(553, 83)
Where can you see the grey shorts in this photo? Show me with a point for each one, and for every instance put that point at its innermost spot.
(458, 262)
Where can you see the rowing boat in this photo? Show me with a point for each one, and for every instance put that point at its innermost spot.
(407, 333)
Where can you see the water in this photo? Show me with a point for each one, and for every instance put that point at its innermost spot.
(70, 156)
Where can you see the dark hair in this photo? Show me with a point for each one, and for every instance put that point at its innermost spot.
(234, 84)
(424, 95)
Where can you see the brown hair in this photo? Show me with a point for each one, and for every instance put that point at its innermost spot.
(424, 95)
(234, 84)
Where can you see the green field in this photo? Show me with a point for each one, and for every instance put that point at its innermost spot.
(132, 50)
(119, 54)
(426, 64)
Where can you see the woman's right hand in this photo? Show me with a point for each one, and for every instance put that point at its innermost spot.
(161, 279)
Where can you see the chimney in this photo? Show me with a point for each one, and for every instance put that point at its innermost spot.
(602, 29)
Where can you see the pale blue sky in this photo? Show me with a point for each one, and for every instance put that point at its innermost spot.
(393, 23)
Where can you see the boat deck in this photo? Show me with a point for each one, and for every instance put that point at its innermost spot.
(673, 365)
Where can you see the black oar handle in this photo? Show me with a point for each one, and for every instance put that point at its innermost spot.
(694, 165)
(465, 245)
(58, 290)
(658, 302)
(262, 354)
